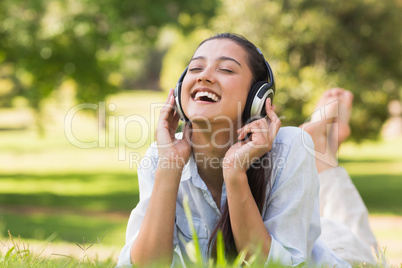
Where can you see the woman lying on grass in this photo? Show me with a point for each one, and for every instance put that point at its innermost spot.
(255, 182)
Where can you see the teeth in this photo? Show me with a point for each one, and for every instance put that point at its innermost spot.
(210, 95)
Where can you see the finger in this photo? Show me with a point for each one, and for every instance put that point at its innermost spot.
(247, 129)
(167, 109)
(175, 120)
(173, 124)
(243, 132)
(271, 115)
(270, 110)
(274, 123)
(268, 105)
(258, 126)
(169, 94)
(260, 133)
(169, 104)
(239, 130)
(273, 119)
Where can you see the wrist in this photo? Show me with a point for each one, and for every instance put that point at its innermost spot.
(233, 177)
(168, 172)
(170, 162)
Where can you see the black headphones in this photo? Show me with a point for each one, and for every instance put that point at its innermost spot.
(255, 104)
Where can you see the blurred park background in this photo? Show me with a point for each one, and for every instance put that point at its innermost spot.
(82, 82)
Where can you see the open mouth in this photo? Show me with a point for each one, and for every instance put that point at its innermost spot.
(205, 96)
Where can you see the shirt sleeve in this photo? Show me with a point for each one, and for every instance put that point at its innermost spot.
(292, 210)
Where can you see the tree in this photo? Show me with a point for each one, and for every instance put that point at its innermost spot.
(95, 44)
(313, 45)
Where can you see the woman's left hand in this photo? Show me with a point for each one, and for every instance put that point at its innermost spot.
(262, 133)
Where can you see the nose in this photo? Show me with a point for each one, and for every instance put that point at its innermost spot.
(207, 75)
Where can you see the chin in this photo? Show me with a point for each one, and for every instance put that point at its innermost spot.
(200, 118)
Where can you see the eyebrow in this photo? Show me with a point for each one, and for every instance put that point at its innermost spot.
(223, 58)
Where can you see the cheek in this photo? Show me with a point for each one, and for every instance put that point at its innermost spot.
(242, 97)
(235, 102)
(238, 93)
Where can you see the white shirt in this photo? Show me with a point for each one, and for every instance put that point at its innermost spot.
(290, 214)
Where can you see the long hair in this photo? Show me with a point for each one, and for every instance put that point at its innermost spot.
(258, 175)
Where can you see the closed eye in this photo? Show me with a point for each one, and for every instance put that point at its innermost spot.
(195, 69)
(227, 70)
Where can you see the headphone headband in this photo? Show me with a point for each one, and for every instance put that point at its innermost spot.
(271, 78)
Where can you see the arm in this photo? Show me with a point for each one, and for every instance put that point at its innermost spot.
(154, 242)
(291, 219)
(248, 228)
(155, 238)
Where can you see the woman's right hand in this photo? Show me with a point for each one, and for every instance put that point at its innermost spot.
(173, 153)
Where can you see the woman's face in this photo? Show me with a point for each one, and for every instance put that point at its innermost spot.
(217, 82)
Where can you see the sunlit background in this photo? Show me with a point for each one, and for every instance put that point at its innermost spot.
(82, 82)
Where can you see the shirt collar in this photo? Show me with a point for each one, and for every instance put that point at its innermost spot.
(190, 171)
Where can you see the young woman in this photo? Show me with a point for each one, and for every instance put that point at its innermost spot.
(254, 181)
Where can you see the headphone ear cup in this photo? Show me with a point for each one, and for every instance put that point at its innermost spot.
(177, 97)
(252, 95)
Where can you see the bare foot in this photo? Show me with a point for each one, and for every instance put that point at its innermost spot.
(329, 126)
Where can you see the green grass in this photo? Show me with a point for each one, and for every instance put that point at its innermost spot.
(19, 254)
(381, 193)
(94, 191)
(50, 189)
(44, 226)
(376, 170)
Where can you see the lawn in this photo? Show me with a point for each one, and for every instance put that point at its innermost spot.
(376, 170)
(53, 189)
(49, 187)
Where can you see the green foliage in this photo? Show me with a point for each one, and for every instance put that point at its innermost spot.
(220, 251)
(96, 44)
(178, 56)
(315, 45)
(19, 255)
(194, 249)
